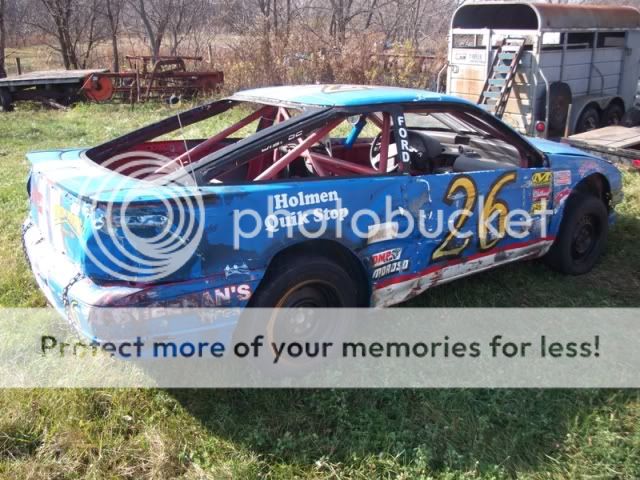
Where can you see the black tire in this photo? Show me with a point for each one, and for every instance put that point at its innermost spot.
(612, 115)
(5, 101)
(582, 237)
(560, 98)
(69, 96)
(589, 120)
(631, 117)
(311, 281)
(297, 283)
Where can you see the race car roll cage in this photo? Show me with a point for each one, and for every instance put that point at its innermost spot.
(324, 165)
(278, 128)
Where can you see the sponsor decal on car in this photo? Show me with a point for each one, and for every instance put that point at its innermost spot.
(62, 216)
(300, 199)
(562, 177)
(395, 267)
(386, 256)
(403, 134)
(236, 270)
(226, 295)
(539, 179)
(541, 192)
(381, 232)
(539, 206)
(280, 216)
(343, 88)
(290, 138)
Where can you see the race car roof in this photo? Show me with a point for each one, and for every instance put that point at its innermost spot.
(340, 95)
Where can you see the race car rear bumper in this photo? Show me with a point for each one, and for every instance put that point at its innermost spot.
(160, 310)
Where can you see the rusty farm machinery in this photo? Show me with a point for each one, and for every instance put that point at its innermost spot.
(166, 77)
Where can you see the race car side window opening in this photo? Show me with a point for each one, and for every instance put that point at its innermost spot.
(219, 132)
(461, 134)
(340, 146)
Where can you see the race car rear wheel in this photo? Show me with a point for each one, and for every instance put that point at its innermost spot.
(297, 283)
(582, 237)
(311, 282)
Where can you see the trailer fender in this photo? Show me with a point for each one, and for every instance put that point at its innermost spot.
(560, 97)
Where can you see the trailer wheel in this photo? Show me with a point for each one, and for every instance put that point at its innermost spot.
(5, 101)
(69, 96)
(612, 115)
(631, 117)
(589, 120)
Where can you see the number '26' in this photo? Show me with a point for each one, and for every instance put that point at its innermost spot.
(492, 208)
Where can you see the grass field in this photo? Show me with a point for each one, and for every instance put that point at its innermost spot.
(444, 434)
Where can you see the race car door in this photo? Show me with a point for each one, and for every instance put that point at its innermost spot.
(470, 195)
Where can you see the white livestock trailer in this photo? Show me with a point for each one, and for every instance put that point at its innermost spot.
(546, 69)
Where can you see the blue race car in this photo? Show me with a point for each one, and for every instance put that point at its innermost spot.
(327, 196)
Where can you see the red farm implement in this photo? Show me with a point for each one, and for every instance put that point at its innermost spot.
(149, 79)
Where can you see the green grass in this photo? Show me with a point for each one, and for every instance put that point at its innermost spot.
(444, 434)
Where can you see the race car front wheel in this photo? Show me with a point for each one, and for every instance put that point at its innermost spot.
(582, 237)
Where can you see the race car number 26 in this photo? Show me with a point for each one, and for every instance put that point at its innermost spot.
(493, 208)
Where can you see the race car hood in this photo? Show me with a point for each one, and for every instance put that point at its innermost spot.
(557, 148)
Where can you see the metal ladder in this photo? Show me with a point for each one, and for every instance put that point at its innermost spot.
(497, 86)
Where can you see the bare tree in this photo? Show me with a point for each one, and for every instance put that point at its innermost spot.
(341, 16)
(111, 11)
(155, 16)
(60, 12)
(75, 26)
(190, 16)
(17, 29)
